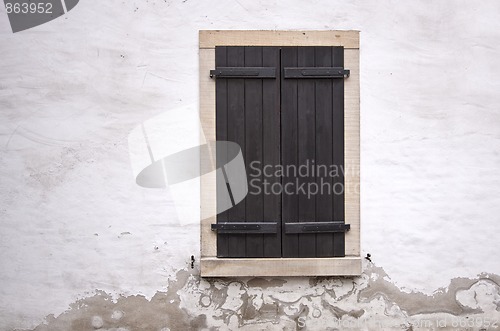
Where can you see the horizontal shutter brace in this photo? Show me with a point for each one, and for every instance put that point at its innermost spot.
(243, 72)
(316, 72)
(288, 72)
(245, 227)
(272, 227)
(316, 227)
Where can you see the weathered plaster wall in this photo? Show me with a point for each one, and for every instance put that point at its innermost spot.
(79, 240)
(369, 302)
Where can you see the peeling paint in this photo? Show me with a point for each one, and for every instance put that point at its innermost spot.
(370, 302)
(102, 312)
(447, 300)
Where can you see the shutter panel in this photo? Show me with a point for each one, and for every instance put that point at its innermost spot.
(313, 135)
(247, 112)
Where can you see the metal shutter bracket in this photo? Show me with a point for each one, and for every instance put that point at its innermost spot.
(245, 227)
(316, 72)
(316, 227)
(243, 72)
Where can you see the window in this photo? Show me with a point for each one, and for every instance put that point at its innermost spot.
(283, 98)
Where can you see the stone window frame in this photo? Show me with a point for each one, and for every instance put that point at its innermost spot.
(350, 265)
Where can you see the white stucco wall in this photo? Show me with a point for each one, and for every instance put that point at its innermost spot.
(73, 221)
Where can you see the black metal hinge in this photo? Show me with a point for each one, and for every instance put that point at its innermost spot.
(316, 72)
(243, 72)
(316, 227)
(245, 227)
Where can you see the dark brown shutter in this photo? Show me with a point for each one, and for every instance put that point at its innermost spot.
(248, 113)
(312, 116)
(283, 106)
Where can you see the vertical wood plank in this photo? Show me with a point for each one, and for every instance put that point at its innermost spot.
(253, 149)
(324, 151)
(351, 152)
(306, 118)
(271, 147)
(236, 133)
(221, 134)
(338, 151)
(290, 242)
(208, 188)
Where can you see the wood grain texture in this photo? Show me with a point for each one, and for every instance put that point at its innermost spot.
(212, 38)
(271, 150)
(240, 107)
(306, 148)
(289, 142)
(338, 138)
(208, 202)
(269, 267)
(253, 148)
(313, 133)
(221, 127)
(236, 133)
(324, 150)
(352, 151)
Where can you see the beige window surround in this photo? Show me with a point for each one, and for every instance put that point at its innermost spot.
(350, 265)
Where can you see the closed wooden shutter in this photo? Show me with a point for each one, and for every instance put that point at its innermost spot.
(248, 113)
(312, 115)
(284, 106)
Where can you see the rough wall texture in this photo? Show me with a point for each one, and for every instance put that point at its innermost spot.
(368, 302)
(82, 246)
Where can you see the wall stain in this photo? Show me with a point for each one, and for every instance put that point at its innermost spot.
(265, 283)
(368, 302)
(443, 300)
